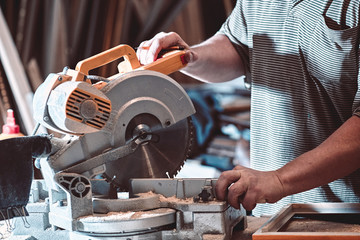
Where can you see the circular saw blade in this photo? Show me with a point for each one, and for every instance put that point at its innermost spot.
(161, 153)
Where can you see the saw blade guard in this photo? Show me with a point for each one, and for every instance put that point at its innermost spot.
(132, 94)
(146, 92)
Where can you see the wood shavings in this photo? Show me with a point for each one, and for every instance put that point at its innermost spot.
(306, 225)
(147, 194)
(4, 233)
(111, 216)
(174, 199)
(125, 216)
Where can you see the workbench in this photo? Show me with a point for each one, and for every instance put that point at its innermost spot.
(253, 224)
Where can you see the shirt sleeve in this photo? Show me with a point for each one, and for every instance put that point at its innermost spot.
(235, 28)
(356, 105)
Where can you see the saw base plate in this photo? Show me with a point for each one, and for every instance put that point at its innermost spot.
(174, 217)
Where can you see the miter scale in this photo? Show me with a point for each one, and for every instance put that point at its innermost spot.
(130, 132)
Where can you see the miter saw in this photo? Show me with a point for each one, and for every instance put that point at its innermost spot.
(131, 133)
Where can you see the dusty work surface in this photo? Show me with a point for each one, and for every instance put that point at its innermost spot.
(253, 224)
(325, 223)
(4, 233)
(330, 223)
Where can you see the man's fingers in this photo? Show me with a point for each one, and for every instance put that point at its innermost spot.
(143, 51)
(248, 187)
(153, 51)
(250, 200)
(223, 183)
(190, 56)
(236, 194)
(149, 50)
(238, 167)
(249, 205)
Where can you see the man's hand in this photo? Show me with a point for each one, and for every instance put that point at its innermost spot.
(214, 60)
(149, 50)
(248, 187)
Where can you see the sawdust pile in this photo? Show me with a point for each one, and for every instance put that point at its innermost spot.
(174, 199)
(125, 216)
(4, 233)
(162, 198)
(306, 225)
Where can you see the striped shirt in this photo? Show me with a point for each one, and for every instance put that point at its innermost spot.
(302, 61)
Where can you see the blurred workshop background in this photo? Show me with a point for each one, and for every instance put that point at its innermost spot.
(39, 37)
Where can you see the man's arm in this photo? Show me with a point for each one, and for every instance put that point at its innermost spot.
(336, 157)
(214, 60)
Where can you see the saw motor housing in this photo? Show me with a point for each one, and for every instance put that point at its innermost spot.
(67, 106)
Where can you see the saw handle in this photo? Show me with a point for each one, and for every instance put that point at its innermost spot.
(168, 63)
(109, 56)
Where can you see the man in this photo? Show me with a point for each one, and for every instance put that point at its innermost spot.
(301, 58)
